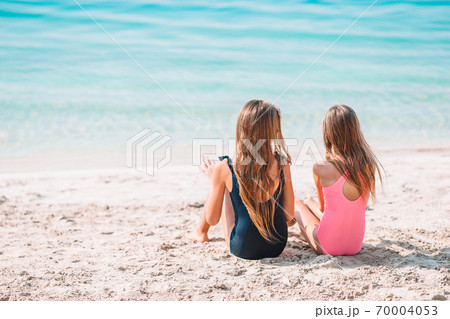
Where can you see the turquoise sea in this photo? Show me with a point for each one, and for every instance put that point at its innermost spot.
(65, 84)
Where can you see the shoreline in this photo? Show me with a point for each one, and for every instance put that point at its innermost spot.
(116, 160)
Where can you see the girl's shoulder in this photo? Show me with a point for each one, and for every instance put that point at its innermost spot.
(222, 169)
(326, 169)
(221, 173)
(222, 165)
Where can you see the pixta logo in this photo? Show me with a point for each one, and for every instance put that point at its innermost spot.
(142, 149)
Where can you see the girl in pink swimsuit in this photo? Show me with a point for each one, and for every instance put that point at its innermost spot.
(345, 181)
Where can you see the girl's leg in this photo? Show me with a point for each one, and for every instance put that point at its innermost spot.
(228, 217)
(201, 233)
(308, 223)
(228, 220)
(314, 207)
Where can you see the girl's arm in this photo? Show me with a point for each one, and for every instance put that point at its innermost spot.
(288, 196)
(318, 186)
(217, 177)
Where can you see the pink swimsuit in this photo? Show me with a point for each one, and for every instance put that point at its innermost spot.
(341, 230)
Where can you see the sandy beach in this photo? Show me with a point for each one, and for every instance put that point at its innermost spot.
(117, 234)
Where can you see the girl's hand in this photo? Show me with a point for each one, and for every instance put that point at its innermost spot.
(208, 167)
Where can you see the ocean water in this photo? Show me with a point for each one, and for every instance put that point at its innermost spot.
(65, 84)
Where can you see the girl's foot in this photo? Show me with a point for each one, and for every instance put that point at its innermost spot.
(198, 236)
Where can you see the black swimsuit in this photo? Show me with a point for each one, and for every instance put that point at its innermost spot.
(245, 240)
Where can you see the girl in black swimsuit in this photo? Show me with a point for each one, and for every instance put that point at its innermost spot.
(252, 194)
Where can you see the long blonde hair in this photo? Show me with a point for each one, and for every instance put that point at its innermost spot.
(347, 149)
(259, 126)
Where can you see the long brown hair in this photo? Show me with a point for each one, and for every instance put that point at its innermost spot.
(347, 149)
(259, 125)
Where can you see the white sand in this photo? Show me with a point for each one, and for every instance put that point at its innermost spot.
(118, 234)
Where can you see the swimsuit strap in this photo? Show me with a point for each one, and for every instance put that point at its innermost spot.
(235, 187)
(221, 158)
(230, 165)
(280, 187)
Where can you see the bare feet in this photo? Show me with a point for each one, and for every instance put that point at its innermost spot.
(198, 236)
